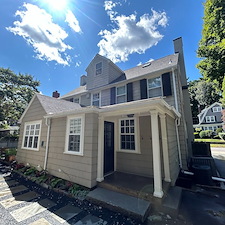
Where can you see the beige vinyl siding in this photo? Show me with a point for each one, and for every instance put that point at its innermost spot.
(78, 169)
(173, 149)
(105, 97)
(140, 164)
(34, 158)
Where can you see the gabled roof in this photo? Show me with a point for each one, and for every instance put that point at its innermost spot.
(52, 105)
(204, 111)
(138, 71)
(153, 66)
(79, 90)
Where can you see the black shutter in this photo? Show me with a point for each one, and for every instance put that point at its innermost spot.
(112, 96)
(143, 88)
(166, 84)
(130, 92)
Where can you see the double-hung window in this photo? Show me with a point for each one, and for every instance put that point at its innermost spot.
(217, 109)
(96, 99)
(154, 86)
(98, 68)
(75, 135)
(210, 119)
(127, 134)
(121, 94)
(31, 137)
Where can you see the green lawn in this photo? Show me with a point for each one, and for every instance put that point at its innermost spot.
(214, 142)
(210, 140)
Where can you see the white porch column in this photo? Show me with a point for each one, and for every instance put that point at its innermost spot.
(100, 175)
(165, 148)
(158, 192)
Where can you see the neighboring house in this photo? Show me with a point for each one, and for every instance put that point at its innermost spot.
(210, 118)
(136, 121)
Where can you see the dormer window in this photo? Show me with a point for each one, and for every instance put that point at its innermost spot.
(98, 68)
(154, 87)
(217, 109)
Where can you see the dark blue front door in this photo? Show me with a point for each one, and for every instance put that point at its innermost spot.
(108, 147)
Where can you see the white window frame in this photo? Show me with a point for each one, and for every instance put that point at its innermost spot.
(136, 135)
(120, 95)
(99, 99)
(210, 119)
(148, 89)
(30, 123)
(217, 109)
(99, 70)
(81, 147)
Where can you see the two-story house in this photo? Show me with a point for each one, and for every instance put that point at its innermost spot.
(136, 121)
(210, 118)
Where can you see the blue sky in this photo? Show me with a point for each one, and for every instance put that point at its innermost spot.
(55, 40)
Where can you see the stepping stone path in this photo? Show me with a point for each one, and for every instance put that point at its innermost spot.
(20, 205)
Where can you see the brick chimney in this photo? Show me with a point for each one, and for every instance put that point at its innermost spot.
(55, 94)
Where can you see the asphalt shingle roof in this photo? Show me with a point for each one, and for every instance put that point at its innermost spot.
(55, 105)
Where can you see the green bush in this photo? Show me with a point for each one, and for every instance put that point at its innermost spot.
(222, 136)
(10, 151)
(209, 133)
(202, 134)
(219, 130)
(198, 129)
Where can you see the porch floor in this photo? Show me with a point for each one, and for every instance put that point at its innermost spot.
(134, 185)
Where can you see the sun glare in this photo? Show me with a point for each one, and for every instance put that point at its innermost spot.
(57, 5)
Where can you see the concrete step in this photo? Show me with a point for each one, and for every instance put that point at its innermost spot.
(129, 205)
(172, 201)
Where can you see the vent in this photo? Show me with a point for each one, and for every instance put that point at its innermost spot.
(146, 65)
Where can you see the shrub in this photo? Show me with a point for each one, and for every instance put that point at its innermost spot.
(198, 129)
(222, 136)
(209, 133)
(202, 134)
(219, 130)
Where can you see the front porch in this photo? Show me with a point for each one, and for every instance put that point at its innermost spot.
(137, 186)
(135, 141)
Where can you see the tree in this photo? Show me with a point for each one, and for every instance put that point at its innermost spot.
(15, 93)
(212, 44)
(202, 94)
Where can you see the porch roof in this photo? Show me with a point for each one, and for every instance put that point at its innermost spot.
(140, 106)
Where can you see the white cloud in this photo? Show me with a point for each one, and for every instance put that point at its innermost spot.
(77, 64)
(130, 35)
(37, 28)
(140, 63)
(73, 22)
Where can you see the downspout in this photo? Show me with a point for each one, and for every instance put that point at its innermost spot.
(48, 124)
(177, 120)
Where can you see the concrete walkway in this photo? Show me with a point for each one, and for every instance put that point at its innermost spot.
(219, 157)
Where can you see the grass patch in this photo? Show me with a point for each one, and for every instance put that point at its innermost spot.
(217, 145)
(210, 140)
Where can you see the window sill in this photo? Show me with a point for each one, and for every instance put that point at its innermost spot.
(129, 151)
(31, 149)
(73, 153)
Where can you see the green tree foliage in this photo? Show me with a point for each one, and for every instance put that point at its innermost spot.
(15, 93)
(202, 94)
(212, 45)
